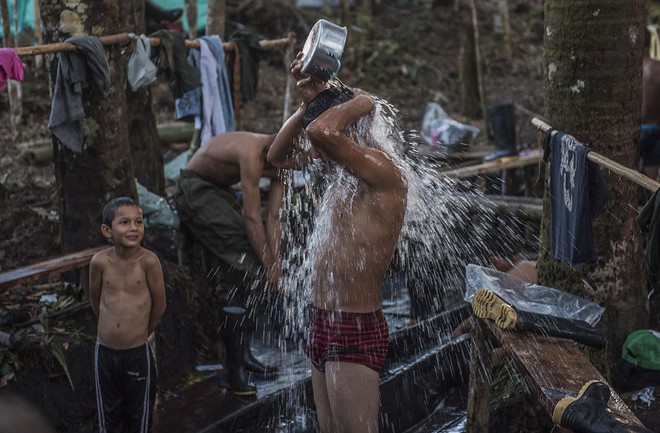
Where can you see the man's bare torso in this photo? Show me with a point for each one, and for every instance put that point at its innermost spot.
(358, 229)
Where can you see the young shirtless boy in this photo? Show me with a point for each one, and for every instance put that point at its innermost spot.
(127, 294)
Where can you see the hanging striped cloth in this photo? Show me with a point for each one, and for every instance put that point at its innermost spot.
(236, 83)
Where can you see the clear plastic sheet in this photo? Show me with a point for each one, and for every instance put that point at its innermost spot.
(531, 297)
(157, 212)
(441, 131)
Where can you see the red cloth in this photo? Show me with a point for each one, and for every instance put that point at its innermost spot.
(360, 338)
(11, 67)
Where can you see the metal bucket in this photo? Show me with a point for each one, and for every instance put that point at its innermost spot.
(323, 49)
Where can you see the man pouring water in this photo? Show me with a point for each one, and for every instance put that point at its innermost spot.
(355, 232)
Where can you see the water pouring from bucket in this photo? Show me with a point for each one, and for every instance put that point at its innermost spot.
(321, 54)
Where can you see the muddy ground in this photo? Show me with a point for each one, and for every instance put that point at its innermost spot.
(411, 57)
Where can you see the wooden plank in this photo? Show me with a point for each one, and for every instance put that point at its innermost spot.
(554, 368)
(33, 273)
(506, 163)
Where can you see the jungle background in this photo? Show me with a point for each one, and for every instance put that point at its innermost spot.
(407, 52)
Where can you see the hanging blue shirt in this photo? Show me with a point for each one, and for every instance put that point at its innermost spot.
(577, 193)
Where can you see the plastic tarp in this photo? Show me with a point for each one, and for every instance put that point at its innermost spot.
(531, 297)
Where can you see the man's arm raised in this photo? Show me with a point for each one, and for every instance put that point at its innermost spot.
(328, 134)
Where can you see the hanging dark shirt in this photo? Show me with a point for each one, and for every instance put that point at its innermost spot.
(173, 60)
(74, 69)
(251, 53)
(577, 193)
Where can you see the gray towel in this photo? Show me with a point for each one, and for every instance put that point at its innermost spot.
(67, 108)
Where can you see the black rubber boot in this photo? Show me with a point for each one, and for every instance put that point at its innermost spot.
(235, 331)
(488, 305)
(254, 365)
(502, 120)
(238, 377)
(588, 413)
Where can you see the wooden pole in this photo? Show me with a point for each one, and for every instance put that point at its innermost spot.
(477, 55)
(621, 170)
(191, 14)
(288, 58)
(123, 38)
(39, 39)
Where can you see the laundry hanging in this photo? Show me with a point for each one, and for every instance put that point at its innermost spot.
(72, 71)
(11, 67)
(577, 193)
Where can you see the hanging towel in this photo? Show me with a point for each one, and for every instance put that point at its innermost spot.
(213, 119)
(72, 71)
(577, 193)
(140, 70)
(215, 44)
(11, 67)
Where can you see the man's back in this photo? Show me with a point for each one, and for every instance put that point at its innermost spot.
(219, 160)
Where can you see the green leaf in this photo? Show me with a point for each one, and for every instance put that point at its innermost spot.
(59, 355)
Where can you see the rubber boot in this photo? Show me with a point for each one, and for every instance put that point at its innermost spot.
(502, 119)
(234, 335)
(588, 412)
(238, 377)
(488, 305)
(254, 365)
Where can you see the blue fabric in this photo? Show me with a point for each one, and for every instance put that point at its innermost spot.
(215, 43)
(577, 193)
(190, 104)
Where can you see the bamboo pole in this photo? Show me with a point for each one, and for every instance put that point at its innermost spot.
(621, 170)
(123, 38)
(492, 166)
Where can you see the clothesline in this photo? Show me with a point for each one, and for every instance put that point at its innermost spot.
(634, 175)
(124, 38)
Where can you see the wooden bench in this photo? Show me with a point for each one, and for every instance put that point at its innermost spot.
(33, 273)
(553, 368)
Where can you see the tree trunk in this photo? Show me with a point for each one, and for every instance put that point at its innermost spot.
(471, 97)
(191, 13)
(14, 88)
(103, 170)
(593, 78)
(468, 68)
(215, 17)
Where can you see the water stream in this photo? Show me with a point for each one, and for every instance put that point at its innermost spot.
(441, 234)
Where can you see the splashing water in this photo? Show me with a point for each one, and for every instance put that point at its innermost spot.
(442, 231)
